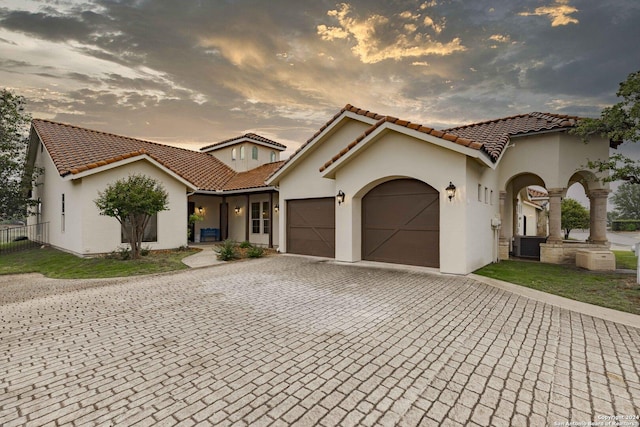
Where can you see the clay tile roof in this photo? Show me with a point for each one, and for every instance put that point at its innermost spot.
(74, 150)
(533, 193)
(253, 136)
(451, 137)
(254, 178)
(494, 135)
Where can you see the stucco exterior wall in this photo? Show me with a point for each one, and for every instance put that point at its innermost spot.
(102, 234)
(393, 156)
(304, 179)
(243, 165)
(482, 206)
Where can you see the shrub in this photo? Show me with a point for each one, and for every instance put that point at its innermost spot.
(245, 245)
(145, 251)
(255, 252)
(227, 251)
(120, 253)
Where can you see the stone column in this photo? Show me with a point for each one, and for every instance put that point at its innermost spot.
(598, 216)
(555, 211)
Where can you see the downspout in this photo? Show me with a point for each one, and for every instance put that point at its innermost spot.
(247, 213)
(271, 220)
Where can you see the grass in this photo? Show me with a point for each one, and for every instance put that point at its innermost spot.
(607, 289)
(57, 264)
(626, 260)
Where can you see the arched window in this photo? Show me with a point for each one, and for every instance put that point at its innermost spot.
(254, 152)
(242, 152)
(233, 154)
(273, 156)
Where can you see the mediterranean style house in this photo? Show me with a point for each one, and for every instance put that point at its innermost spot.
(364, 187)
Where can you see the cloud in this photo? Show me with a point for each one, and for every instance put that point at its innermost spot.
(376, 38)
(559, 13)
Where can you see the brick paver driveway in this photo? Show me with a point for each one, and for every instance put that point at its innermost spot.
(295, 341)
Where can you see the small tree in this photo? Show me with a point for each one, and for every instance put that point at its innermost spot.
(133, 201)
(620, 122)
(573, 216)
(626, 200)
(15, 179)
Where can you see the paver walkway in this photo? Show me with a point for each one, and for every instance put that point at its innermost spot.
(295, 341)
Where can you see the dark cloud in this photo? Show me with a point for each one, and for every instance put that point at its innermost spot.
(204, 70)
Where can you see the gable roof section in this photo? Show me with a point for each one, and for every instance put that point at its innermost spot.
(75, 150)
(494, 135)
(348, 109)
(254, 178)
(251, 137)
(404, 123)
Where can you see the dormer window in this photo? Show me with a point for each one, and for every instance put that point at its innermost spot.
(254, 152)
(233, 154)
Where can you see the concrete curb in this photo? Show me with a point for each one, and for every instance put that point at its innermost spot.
(616, 316)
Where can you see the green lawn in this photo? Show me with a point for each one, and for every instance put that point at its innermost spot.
(626, 260)
(57, 264)
(606, 289)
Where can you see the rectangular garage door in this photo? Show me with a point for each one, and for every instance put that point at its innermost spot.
(311, 227)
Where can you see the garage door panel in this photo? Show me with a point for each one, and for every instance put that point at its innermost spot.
(311, 227)
(401, 223)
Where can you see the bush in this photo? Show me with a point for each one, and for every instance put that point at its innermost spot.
(245, 245)
(145, 251)
(227, 251)
(121, 254)
(255, 252)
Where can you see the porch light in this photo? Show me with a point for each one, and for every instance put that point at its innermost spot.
(200, 210)
(237, 210)
(276, 208)
(451, 191)
(340, 197)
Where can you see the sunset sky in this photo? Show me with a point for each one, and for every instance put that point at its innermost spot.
(194, 72)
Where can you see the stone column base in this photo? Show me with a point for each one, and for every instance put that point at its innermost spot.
(503, 249)
(552, 253)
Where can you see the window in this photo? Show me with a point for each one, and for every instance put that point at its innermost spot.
(479, 192)
(254, 153)
(486, 195)
(266, 217)
(255, 217)
(242, 152)
(233, 154)
(62, 222)
(491, 197)
(273, 156)
(150, 232)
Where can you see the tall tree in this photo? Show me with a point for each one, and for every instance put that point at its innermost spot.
(14, 139)
(626, 200)
(133, 201)
(573, 216)
(620, 122)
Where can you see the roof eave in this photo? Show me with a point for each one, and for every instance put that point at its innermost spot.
(215, 147)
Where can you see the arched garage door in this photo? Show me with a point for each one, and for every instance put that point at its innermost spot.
(311, 227)
(401, 223)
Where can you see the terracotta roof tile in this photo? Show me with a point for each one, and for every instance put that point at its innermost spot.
(253, 136)
(254, 178)
(74, 150)
(494, 135)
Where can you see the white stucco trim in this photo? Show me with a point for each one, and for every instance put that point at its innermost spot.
(240, 141)
(310, 146)
(234, 192)
(330, 172)
(141, 157)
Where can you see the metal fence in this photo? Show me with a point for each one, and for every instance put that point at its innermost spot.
(15, 239)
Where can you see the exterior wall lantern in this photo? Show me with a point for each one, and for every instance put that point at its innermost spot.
(200, 210)
(237, 210)
(340, 197)
(276, 208)
(451, 191)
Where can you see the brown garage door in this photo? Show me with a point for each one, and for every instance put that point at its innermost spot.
(311, 227)
(401, 223)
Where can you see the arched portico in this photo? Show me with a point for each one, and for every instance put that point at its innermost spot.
(555, 249)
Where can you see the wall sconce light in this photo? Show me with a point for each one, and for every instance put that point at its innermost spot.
(276, 208)
(237, 210)
(340, 197)
(200, 210)
(451, 190)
